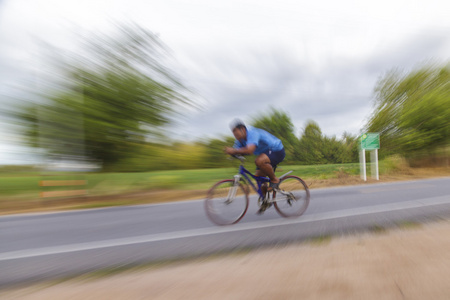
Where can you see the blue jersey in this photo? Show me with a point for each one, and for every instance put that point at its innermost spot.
(263, 141)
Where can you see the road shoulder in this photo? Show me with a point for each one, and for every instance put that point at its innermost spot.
(411, 262)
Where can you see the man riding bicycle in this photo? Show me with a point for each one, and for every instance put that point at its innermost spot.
(269, 149)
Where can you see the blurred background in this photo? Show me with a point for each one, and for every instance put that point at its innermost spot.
(92, 89)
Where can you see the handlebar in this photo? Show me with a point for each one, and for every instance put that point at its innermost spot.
(240, 157)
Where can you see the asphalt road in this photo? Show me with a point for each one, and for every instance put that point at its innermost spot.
(35, 247)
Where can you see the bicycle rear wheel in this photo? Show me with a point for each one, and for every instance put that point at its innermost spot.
(293, 198)
(226, 203)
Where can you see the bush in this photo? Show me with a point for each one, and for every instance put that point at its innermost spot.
(394, 164)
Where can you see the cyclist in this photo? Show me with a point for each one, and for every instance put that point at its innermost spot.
(269, 149)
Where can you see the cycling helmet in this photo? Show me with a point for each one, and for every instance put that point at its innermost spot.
(237, 123)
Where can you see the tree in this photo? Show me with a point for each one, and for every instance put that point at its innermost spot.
(412, 111)
(215, 156)
(311, 145)
(107, 101)
(280, 125)
(350, 152)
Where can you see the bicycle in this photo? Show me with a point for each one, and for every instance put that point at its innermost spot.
(227, 201)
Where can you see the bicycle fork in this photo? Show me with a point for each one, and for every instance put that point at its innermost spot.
(233, 190)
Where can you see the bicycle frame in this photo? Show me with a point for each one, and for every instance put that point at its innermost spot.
(260, 180)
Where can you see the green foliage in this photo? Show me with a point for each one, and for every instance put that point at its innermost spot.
(312, 147)
(107, 101)
(394, 164)
(412, 111)
(280, 125)
(349, 150)
(214, 155)
(315, 148)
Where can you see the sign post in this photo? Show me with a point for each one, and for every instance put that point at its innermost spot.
(374, 161)
(362, 164)
(369, 141)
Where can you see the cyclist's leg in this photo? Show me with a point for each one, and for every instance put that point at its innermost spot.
(267, 162)
(264, 186)
(264, 167)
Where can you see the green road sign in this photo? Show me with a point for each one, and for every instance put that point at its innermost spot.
(370, 141)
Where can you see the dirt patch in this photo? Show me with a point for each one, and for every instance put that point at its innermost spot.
(158, 196)
(407, 263)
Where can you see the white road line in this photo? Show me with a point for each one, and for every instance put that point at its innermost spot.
(214, 230)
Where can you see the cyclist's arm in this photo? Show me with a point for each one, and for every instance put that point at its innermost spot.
(247, 150)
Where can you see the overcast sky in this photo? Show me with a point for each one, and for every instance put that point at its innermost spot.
(316, 60)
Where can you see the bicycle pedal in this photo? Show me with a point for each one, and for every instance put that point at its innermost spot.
(264, 206)
(260, 212)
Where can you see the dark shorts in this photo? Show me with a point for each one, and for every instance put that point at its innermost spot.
(275, 157)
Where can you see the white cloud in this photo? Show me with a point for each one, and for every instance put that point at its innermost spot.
(315, 60)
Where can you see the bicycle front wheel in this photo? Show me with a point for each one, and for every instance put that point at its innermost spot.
(292, 199)
(226, 203)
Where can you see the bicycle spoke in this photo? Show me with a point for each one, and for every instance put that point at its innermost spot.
(293, 197)
(226, 203)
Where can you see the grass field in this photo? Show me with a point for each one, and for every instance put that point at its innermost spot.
(20, 191)
(26, 185)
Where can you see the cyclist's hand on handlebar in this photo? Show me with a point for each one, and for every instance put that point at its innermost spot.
(240, 157)
(233, 153)
(230, 151)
